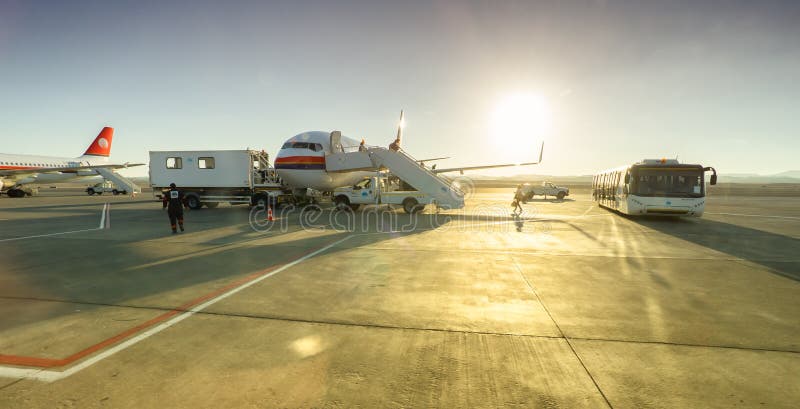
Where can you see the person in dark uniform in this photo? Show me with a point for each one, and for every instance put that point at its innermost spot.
(174, 202)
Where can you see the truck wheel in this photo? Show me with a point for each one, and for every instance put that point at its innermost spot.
(560, 195)
(343, 203)
(212, 205)
(193, 202)
(410, 205)
(115, 192)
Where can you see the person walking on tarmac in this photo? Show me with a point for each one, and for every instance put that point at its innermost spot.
(518, 197)
(174, 202)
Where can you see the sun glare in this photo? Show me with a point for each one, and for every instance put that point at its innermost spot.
(520, 119)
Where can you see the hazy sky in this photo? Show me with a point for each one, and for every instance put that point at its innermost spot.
(716, 83)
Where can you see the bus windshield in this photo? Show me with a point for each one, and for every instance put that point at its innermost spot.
(668, 182)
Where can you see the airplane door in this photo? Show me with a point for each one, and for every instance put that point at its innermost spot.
(336, 141)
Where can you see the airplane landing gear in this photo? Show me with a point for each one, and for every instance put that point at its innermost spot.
(20, 192)
(15, 192)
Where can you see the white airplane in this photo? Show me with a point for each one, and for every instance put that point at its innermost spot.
(301, 161)
(19, 170)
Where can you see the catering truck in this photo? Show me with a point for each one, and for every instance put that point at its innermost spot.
(208, 178)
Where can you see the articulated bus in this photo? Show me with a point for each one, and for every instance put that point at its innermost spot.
(654, 187)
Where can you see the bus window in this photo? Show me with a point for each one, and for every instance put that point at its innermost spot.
(673, 182)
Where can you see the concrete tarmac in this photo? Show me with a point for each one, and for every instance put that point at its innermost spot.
(567, 306)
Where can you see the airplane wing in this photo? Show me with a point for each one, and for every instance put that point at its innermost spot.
(462, 169)
(20, 172)
(431, 159)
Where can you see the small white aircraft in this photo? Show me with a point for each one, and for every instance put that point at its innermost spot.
(19, 170)
(301, 161)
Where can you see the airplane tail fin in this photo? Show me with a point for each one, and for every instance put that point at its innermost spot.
(541, 151)
(102, 144)
(400, 126)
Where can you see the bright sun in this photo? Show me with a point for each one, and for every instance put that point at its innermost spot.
(520, 119)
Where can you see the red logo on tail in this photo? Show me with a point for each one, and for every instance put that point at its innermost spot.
(102, 144)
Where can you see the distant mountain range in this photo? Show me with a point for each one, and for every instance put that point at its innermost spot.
(790, 176)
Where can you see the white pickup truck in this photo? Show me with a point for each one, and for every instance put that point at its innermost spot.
(378, 190)
(546, 189)
(105, 187)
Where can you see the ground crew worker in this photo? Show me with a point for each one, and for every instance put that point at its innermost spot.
(395, 146)
(174, 202)
(518, 197)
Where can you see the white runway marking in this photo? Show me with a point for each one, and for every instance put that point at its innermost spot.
(105, 223)
(103, 216)
(756, 215)
(48, 235)
(587, 210)
(52, 376)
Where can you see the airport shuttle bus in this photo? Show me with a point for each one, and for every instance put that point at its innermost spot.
(654, 187)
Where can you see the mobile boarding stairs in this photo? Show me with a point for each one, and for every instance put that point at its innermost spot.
(402, 165)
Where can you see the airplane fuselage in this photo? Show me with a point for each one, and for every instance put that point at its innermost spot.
(34, 162)
(301, 162)
(17, 170)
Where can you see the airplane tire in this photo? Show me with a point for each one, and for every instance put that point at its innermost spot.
(261, 200)
(90, 192)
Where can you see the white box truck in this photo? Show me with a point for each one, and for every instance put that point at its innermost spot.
(219, 176)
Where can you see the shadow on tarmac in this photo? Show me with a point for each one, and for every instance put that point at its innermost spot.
(138, 263)
(776, 252)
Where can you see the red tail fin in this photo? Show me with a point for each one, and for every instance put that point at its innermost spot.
(102, 144)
